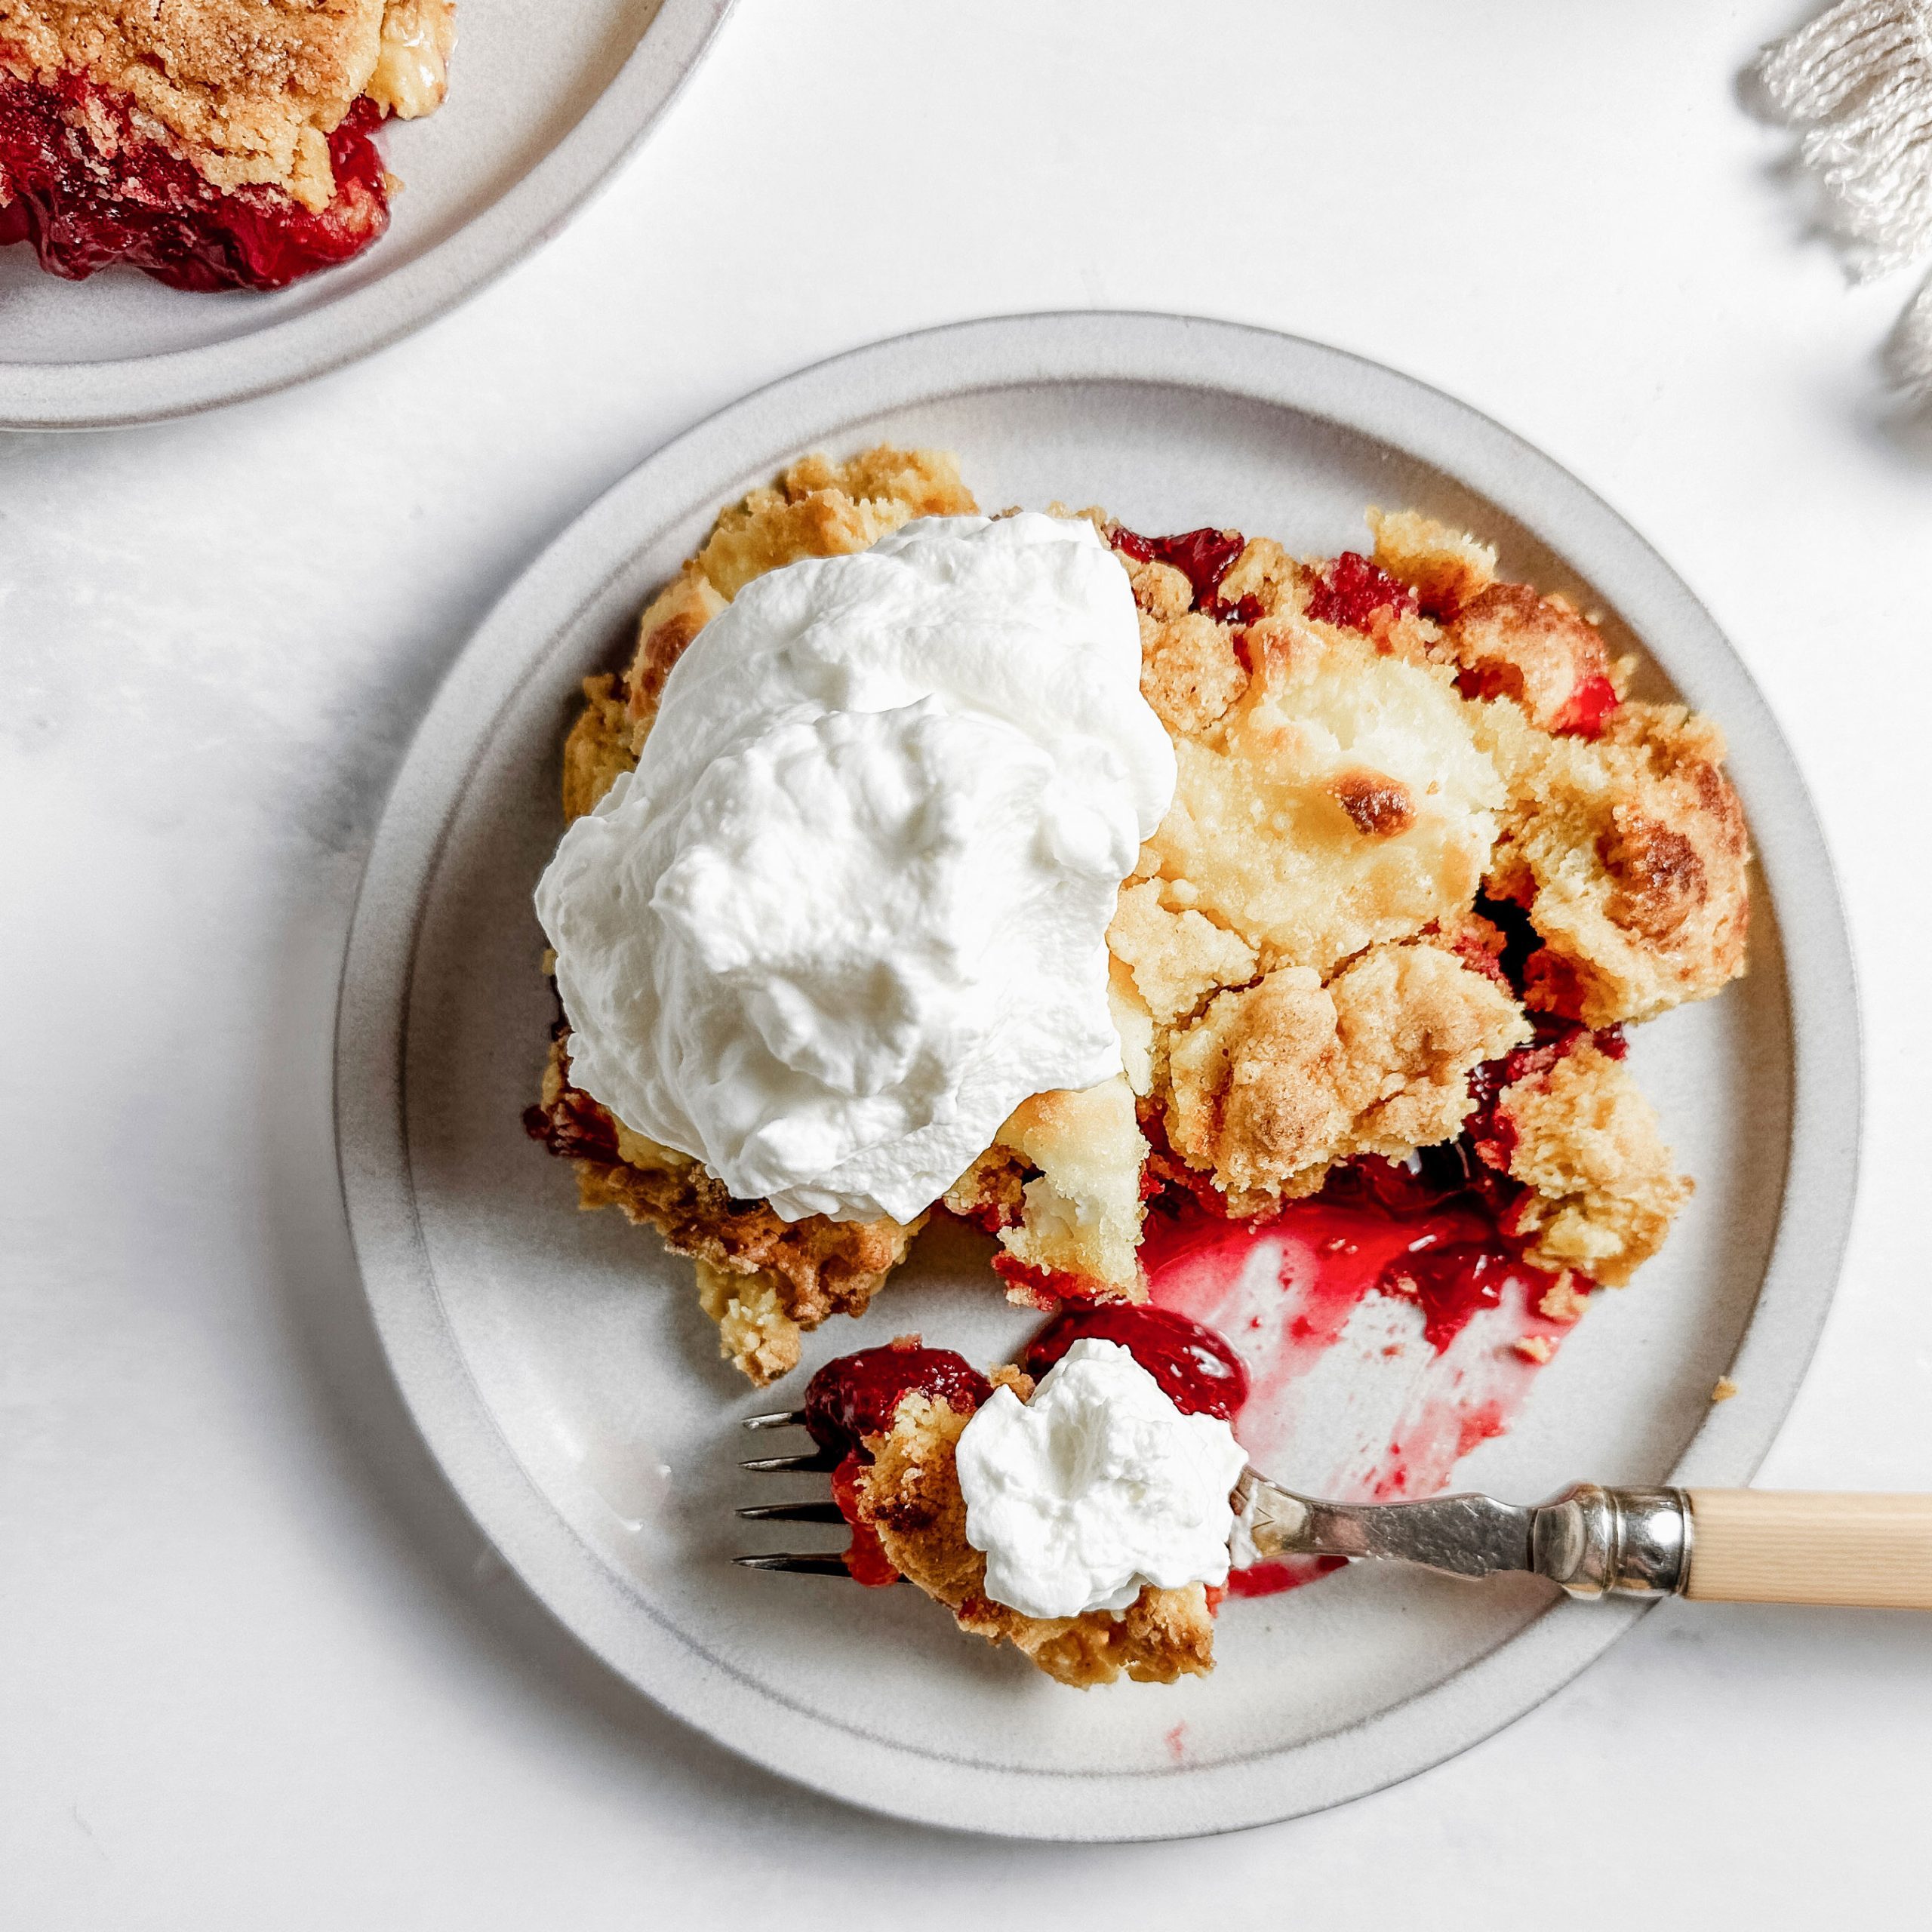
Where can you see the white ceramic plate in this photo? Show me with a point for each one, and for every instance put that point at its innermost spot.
(556, 1361)
(544, 102)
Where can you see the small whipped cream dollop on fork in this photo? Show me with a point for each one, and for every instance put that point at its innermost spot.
(850, 908)
(1097, 1487)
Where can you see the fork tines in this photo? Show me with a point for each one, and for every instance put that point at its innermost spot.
(817, 1462)
(797, 1566)
(792, 1512)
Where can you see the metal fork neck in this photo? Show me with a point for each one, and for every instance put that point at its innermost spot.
(1592, 1540)
(1628, 1542)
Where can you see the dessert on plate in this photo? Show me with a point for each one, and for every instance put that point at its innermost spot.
(213, 144)
(1064, 880)
(1421, 861)
(1079, 1513)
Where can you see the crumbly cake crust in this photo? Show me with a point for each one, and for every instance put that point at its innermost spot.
(1602, 1193)
(762, 1279)
(909, 1497)
(1299, 970)
(1273, 1084)
(1628, 853)
(248, 91)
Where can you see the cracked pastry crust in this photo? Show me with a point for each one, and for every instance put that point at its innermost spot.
(247, 91)
(909, 1497)
(1370, 753)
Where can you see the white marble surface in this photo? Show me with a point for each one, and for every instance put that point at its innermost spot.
(257, 1669)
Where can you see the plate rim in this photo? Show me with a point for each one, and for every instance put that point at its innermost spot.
(121, 392)
(816, 404)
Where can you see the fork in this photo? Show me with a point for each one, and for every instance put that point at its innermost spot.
(1714, 1545)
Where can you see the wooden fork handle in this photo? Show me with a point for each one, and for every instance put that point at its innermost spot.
(1762, 1546)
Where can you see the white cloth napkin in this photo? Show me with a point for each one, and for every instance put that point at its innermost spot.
(1858, 82)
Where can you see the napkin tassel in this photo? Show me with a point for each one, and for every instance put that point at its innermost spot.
(1858, 80)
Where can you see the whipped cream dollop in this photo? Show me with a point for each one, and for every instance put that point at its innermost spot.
(849, 909)
(1097, 1486)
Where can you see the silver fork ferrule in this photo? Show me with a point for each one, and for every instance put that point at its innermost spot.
(1629, 1542)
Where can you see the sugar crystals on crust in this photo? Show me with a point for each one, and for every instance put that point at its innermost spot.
(248, 91)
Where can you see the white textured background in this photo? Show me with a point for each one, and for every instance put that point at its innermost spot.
(255, 1669)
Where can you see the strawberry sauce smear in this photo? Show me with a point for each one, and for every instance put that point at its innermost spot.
(856, 1396)
(1383, 1327)
(1198, 1372)
(87, 191)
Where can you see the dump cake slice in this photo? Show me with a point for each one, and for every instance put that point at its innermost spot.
(212, 144)
(1425, 856)
(918, 1508)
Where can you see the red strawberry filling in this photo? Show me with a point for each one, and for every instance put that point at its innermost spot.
(857, 1395)
(87, 192)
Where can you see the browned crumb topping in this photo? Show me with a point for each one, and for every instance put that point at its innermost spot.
(249, 91)
(1508, 642)
(763, 1280)
(1446, 569)
(1273, 1084)
(1603, 1191)
(910, 1497)
(1629, 852)
(1723, 1389)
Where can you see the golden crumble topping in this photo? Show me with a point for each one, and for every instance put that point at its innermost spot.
(1342, 800)
(1273, 1084)
(1508, 642)
(762, 1279)
(1630, 854)
(909, 1497)
(1175, 959)
(1445, 568)
(1603, 1192)
(1382, 766)
(247, 90)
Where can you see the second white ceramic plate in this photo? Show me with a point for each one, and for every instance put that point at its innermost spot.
(544, 102)
(559, 1367)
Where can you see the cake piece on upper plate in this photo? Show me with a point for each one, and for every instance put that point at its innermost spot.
(212, 144)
